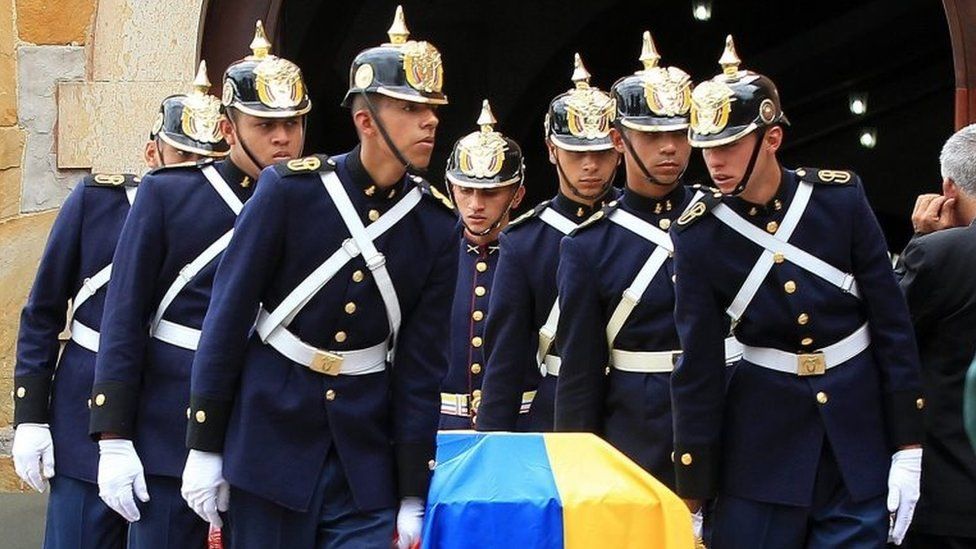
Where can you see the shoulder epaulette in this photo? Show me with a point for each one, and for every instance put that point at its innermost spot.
(595, 218)
(304, 165)
(826, 177)
(534, 212)
(697, 210)
(430, 190)
(111, 180)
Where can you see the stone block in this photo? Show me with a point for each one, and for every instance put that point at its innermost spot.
(39, 70)
(104, 125)
(146, 41)
(61, 22)
(12, 140)
(8, 65)
(10, 184)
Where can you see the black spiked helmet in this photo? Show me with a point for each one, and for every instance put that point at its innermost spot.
(265, 85)
(580, 119)
(485, 159)
(190, 122)
(655, 99)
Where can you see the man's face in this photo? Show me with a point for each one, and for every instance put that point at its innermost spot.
(480, 208)
(411, 126)
(727, 164)
(160, 153)
(270, 140)
(664, 154)
(585, 171)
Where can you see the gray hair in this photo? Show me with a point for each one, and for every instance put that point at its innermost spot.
(958, 159)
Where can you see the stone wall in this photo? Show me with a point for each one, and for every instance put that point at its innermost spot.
(80, 82)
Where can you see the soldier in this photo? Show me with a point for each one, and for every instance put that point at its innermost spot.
(823, 414)
(161, 285)
(323, 420)
(50, 410)
(522, 362)
(615, 279)
(485, 171)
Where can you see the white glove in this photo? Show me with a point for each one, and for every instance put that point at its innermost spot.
(120, 475)
(903, 479)
(204, 487)
(696, 523)
(410, 522)
(33, 454)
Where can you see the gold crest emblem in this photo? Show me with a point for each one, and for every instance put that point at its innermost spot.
(589, 113)
(667, 91)
(201, 115)
(423, 67)
(481, 154)
(710, 107)
(279, 83)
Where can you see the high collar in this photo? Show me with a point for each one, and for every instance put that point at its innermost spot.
(665, 205)
(362, 179)
(480, 250)
(776, 206)
(578, 211)
(234, 175)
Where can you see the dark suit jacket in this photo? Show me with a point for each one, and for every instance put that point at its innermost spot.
(938, 275)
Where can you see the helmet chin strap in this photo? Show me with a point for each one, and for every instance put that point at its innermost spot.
(498, 221)
(159, 153)
(640, 163)
(244, 147)
(386, 136)
(575, 191)
(750, 167)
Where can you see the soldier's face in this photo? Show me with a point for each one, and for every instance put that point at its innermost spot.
(412, 127)
(585, 171)
(270, 140)
(727, 164)
(664, 154)
(480, 208)
(158, 153)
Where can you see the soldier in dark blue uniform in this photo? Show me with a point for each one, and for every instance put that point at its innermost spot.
(323, 419)
(161, 283)
(615, 283)
(820, 424)
(485, 171)
(522, 359)
(50, 408)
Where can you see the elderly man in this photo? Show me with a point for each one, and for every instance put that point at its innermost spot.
(936, 271)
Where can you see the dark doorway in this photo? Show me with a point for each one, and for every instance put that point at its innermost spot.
(519, 55)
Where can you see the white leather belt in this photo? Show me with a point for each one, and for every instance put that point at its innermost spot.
(810, 364)
(464, 405)
(644, 362)
(551, 364)
(350, 363)
(84, 336)
(733, 350)
(177, 334)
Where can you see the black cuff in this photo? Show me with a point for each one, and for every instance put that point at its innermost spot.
(415, 462)
(207, 423)
(32, 395)
(904, 415)
(113, 409)
(696, 471)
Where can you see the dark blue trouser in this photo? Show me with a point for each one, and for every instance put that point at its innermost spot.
(332, 521)
(78, 519)
(832, 521)
(167, 522)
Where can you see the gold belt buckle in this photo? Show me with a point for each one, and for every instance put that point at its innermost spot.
(326, 363)
(811, 364)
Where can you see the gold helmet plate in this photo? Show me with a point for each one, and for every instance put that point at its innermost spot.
(711, 103)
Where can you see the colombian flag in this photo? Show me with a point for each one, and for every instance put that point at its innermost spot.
(547, 490)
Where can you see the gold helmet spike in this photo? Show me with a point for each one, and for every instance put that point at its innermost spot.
(398, 32)
(730, 59)
(487, 118)
(580, 75)
(260, 45)
(649, 56)
(201, 84)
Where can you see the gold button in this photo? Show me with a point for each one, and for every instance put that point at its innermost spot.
(481, 266)
(790, 286)
(340, 336)
(358, 276)
(686, 459)
(476, 341)
(373, 215)
(477, 315)
(21, 392)
(330, 395)
(772, 226)
(350, 308)
(201, 416)
(476, 368)
(806, 342)
(99, 399)
(778, 257)
(431, 464)
(803, 319)
(664, 224)
(480, 291)
(822, 397)
(801, 172)
(717, 195)
(476, 393)
(920, 403)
